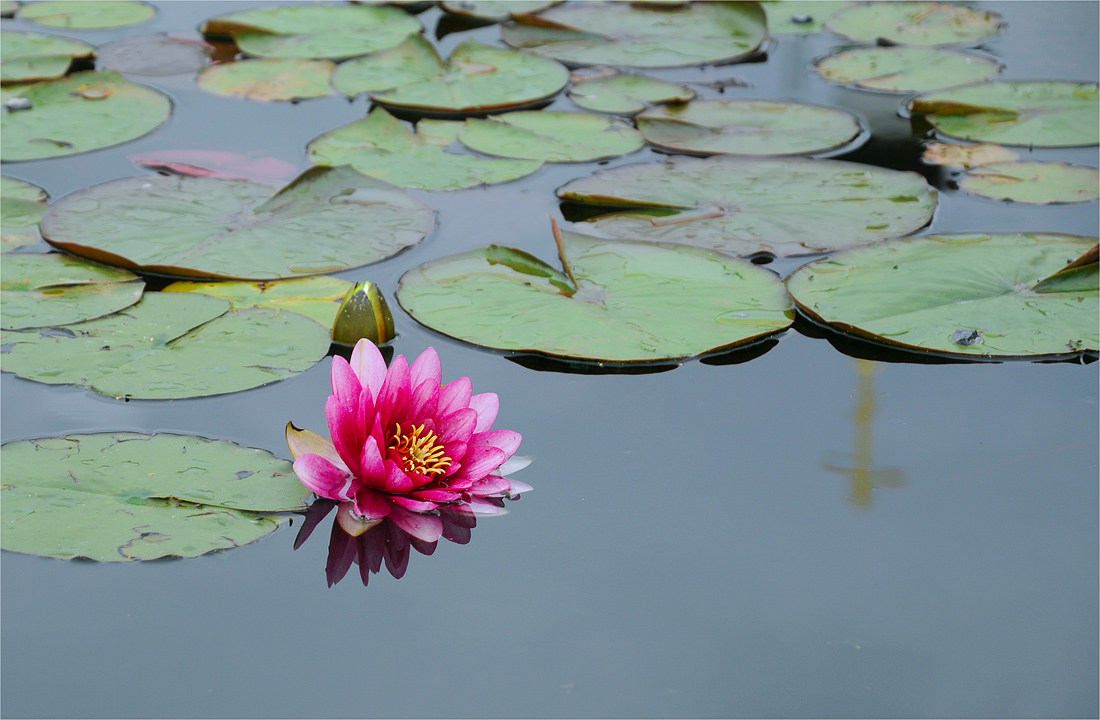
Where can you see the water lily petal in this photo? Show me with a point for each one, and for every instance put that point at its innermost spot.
(487, 406)
(506, 440)
(480, 461)
(373, 468)
(397, 480)
(514, 464)
(455, 450)
(478, 506)
(345, 434)
(391, 398)
(301, 442)
(458, 425)
(352, 525)
(436, 495)
(345, 385)
(416, 506)
(370, 504)
(518, 486)
(369, 366)
(489, 485)
(323, 477)
(426, 527)
(423, 403)
(427, 367)
(456, 395)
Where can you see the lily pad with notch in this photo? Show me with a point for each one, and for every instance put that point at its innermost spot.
(22, 206)
(906, 69)
(31, 57)
(494, 10)
(626, 94)
(87, 14)
(1041, 183)
(269, 78)
(317, 297)
(915, 23)
(551, 136)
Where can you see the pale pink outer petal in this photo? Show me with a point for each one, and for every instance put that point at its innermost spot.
(518, 486)
(428, 528)
(370, 504)
(490, 485)
(506, 440)
(455, 396)
(351, 524)
(412, 505)
(301, 442)
(368, 365)
(427, 367)
(323, 477)
(515, 464)
(487, 406)
(480, 507)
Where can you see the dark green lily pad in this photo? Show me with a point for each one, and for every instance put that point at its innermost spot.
(42, 290)
(800, 17)
(316, 297)
(201, 227)
(87, 14)
(317, 31)
(741, 206)
(551, 136)
(616, 302)
(906, 69)
(170, 345)
(22, 205)
(495, 10)
(970, 295)
(1033, 182)
(477, 78)
(625, 94)
(381, 146)
(155, 55)
(79, 113)
(641, 35)
(915, 23)
(270, 78)
(748, 127)
(1038, 114)
(118, 497)
(28, 57)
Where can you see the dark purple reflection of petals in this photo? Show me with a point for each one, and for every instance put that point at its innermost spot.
(457, 526)
(397, 550)
(342, 550)
(315, 513)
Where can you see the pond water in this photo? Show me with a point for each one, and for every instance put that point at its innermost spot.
(802, 534)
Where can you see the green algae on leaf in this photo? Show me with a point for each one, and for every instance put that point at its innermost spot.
(201, 227)
(626, 94)
(27, 57)
(317, 297)
(87, 14)
(41, 290)
(551, 136)
(117, 497)
(743, 206)
(966, 295)
(270, 78)
(906, 69)
(800, 17)
(915, 23)
(22, 205)
(1033, 182)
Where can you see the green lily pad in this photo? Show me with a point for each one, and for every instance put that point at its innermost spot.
(915, 23)
(551, 136)
(624, 94)
(1039, 114)
(87, 14)
(8, 8)
(748, 127)
(270, 78)
(22, 205)
(493, 9)
(318, 31)
(783, 206)
(170, 345)
(637, 35)
(382, 147)
(477, 78)
(800, 17)
(967, 155)
(42, 290)
(316, 297)
(82, 112)
(27, 57)
(117, 497)
(1033, 182)
(155, 55)
(616, 302)
(970, 295)
(202, 227)
(906, 69)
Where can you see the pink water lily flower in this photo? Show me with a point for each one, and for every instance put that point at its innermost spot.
(404, 445)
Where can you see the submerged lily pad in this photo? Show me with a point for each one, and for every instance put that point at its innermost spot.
(217, 164)
(155, 55)
(381, 146)
(615, 302)
(551, 136)
(906, 69)
(800, 17)
(625, 94)
(1033, 182)
(915, 23)
(123, 496)
(79, 113)
(87, 14)
(170, 345)
(236, 230)
(1039, 114)
(641, 35)
(42, 290)
(783, 206)
(316, 297)
(270, 78)
(22, 205)
(317, 31)
(494, 9)
(477, 78)
(27, 57)
(967, 155)
(970, 295)
(748, 127)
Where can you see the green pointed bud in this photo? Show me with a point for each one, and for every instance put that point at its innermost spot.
(363, 314)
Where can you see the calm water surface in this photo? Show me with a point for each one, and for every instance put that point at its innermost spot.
(805, 534)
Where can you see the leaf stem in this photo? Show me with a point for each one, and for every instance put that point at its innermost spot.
(561, 252)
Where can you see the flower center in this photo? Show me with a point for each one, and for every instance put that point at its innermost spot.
(421, 453)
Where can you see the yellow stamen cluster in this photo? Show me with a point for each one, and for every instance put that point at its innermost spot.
(421, 454)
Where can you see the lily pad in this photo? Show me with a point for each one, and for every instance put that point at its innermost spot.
(28, 57)
(1038, 114)
(318, 31)
(970, 295)
(155, 55)
(270, 78)
(615, 302)
(783, 206)
(551, 136)
(382, 147)
(915, 23)
(641, 35)
(906, 69)
(748, 127)
(625, 94)
(42, 290)
(316, 297)
(1033, 182)
(967, 155)
(117, 497)
(87, 14)
(8, 8)
(170, 345)
(82, 112)
(477, 78)
(493, 9)
(800, 17)
(22, 205)
(217, 164)
(236, 230)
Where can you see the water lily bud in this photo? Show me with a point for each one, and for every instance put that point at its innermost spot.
(363, 313)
